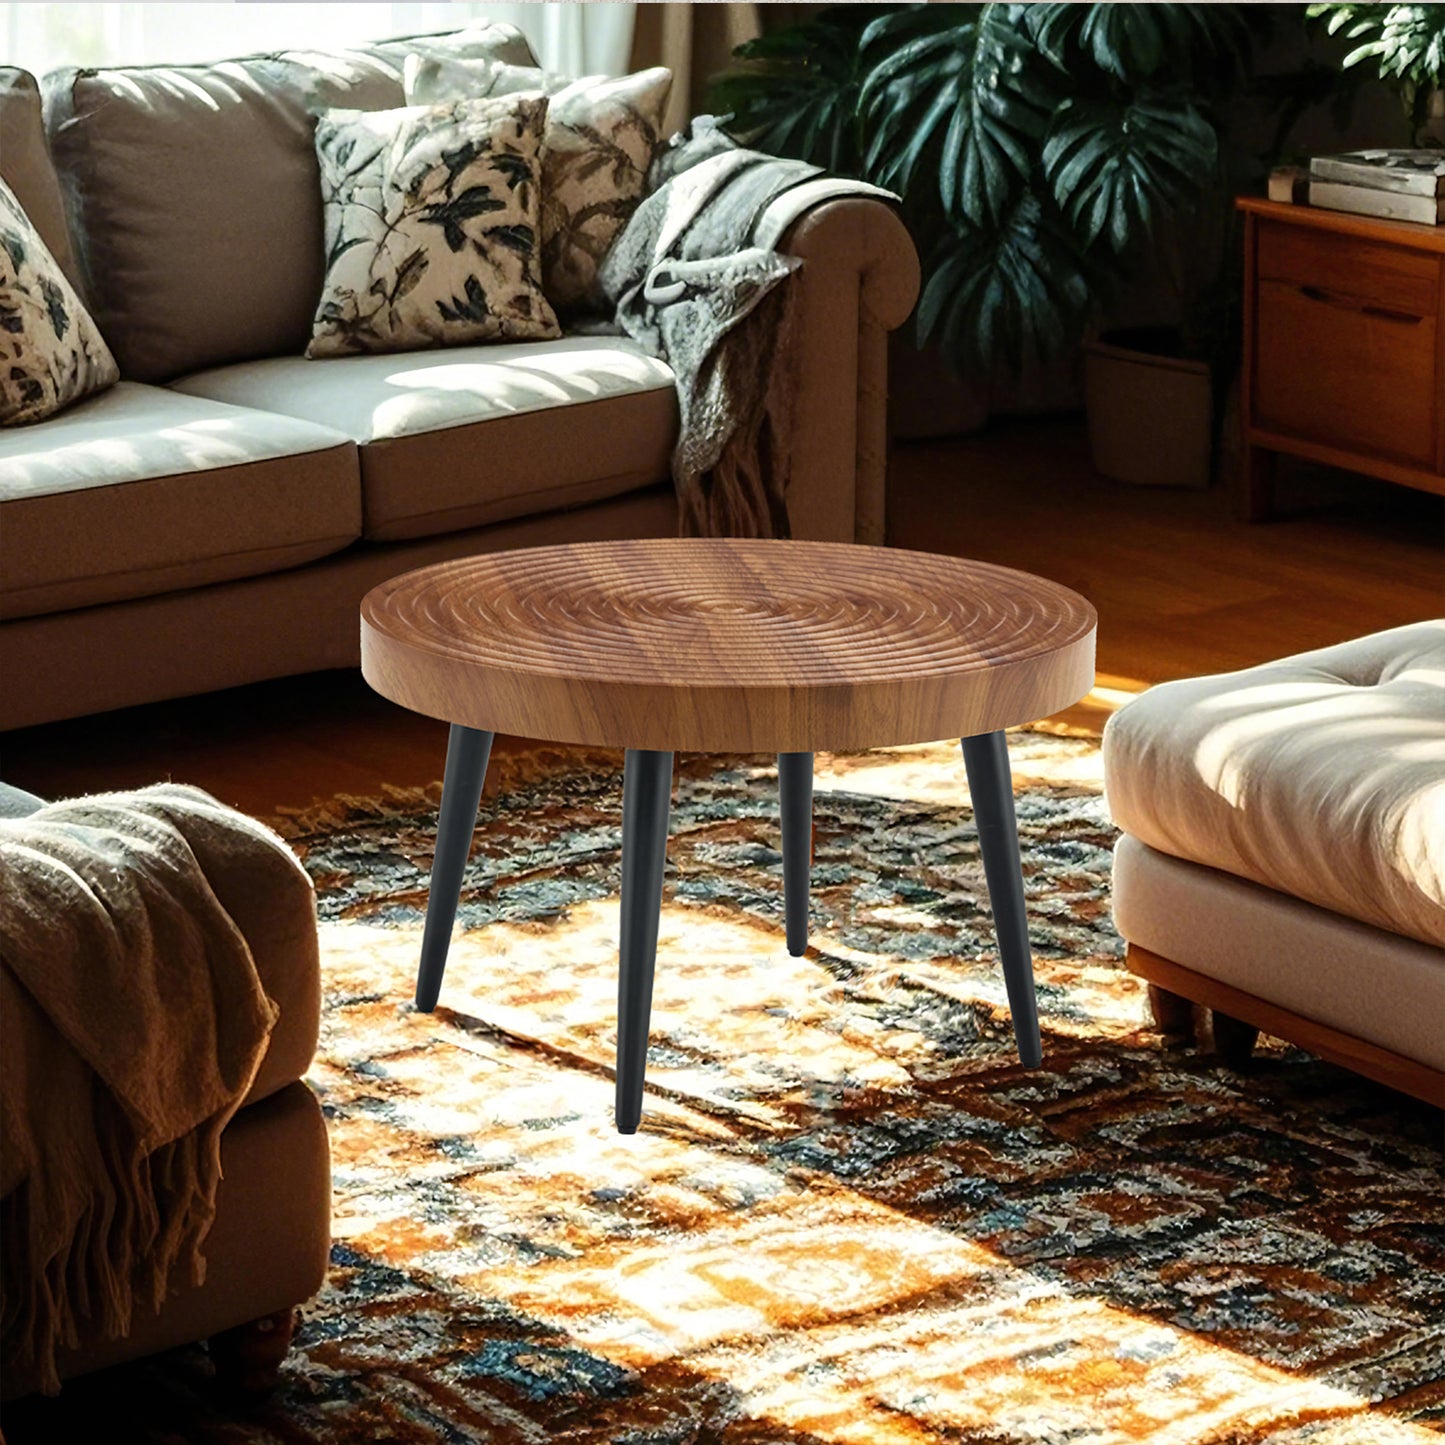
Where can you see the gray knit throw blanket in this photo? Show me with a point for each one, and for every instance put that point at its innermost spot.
(689, 284)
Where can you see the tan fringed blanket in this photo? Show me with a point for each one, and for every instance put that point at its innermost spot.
(132, 1022)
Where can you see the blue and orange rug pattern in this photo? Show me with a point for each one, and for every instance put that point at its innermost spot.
(851, 1216)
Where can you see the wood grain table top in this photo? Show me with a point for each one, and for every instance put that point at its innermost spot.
(711, 645)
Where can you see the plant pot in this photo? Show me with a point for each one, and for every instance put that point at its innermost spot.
(1150, 414)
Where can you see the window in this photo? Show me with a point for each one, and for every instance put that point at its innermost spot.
(573, 39)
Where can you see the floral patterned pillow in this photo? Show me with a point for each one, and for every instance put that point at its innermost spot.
(601, 136)
(432, 217)
(51, 352)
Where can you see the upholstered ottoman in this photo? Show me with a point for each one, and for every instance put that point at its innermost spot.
(1283, 857)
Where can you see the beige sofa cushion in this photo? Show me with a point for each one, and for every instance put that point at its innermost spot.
(25, 165)
(197, 198)
(477, 434)
(1320, 776)
(140, 490)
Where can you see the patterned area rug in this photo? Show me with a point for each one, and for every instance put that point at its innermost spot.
(850, 1216)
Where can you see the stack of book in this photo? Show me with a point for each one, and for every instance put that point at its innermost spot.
(1398, 185)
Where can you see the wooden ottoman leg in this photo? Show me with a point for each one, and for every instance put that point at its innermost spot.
(795, 793)
(467, 754)
(991, 784)
(646, 799)
(1172, 1013)
(1234, 1040)
(248, 1358)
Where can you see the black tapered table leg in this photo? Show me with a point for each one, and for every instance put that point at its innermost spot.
(646, 798)
(467, 752)
(991, 784)
(795, 798)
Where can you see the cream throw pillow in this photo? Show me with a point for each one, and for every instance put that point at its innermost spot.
(601, 136)
(51, 352)
(432, 222)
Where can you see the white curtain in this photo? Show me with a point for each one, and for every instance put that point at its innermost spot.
(571, 39)
(594, 38)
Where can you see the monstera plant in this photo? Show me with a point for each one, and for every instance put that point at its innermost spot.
(1042, 150)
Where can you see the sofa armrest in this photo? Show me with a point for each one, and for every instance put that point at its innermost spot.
(269, 897)
(858, 282)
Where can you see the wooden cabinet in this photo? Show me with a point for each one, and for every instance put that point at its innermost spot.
(1344, 347)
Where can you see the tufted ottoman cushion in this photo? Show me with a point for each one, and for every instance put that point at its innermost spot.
(1321, 776)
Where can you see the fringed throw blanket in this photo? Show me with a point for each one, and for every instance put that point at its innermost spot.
(132, 1022)
(695, 280)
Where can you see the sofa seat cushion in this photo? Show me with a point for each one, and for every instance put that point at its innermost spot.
(1321, 776)
(140, 491)
(477, 434)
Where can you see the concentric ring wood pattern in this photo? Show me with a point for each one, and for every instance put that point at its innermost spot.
(727, 645)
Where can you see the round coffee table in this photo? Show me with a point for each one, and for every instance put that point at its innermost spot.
(726, 646)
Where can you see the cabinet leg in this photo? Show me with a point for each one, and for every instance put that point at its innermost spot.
(1254, 488)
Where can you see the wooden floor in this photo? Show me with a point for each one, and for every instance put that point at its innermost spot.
(1181, 588)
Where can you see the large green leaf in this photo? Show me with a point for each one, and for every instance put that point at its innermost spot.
(1135, 43)
(797, 90)
(1005, 293)
(955, 84)
(1116, 167)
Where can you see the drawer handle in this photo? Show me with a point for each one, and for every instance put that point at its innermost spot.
(1385, 314)
(1347, 303)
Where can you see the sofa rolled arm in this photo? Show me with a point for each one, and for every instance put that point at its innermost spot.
(859, 281)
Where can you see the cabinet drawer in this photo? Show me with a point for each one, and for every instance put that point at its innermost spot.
(1353, 368)
(1389, 278)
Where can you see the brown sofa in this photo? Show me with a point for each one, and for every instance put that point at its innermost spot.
(216, 518)
(267, 1250)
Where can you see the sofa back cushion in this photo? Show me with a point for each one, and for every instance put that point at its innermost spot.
(26, 168)
(196, 195)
